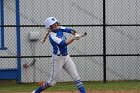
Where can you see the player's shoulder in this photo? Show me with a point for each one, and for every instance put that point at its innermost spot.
(52, 34)
(61, 27)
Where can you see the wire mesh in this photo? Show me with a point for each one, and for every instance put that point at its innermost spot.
(121, 38)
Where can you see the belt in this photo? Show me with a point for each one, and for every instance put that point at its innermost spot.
(61, 54)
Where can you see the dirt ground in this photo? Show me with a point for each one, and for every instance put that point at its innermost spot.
(87, 92)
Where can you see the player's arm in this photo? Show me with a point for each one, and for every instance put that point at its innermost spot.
(61, 42)
(66, 42)
(68, 30)
(72, 31)
(70, 40)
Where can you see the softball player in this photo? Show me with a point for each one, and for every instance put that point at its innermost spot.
(60, 58)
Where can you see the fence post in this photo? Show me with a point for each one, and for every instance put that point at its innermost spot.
(2, 25)
(104, 42)
(18, 41)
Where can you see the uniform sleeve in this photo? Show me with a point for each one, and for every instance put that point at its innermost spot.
(68, 30)
(59, 41)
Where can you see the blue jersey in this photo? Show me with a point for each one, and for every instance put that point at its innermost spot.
(58, 40)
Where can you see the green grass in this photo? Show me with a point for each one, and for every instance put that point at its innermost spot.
(129, 85)
(94, 86)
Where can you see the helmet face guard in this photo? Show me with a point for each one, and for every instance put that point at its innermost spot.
(50, 21)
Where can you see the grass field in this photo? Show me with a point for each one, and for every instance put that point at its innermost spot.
(90, 86)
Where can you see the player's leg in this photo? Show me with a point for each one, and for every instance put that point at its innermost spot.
(72, 71)
(56, 67)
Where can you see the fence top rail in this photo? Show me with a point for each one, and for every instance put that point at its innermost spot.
(98, 55)
(72, 25)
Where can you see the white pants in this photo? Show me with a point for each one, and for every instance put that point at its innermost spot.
(59, 62)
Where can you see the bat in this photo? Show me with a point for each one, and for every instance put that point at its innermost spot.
(83, 35)
(79, 36)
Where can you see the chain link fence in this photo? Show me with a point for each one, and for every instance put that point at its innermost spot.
(121, 43)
